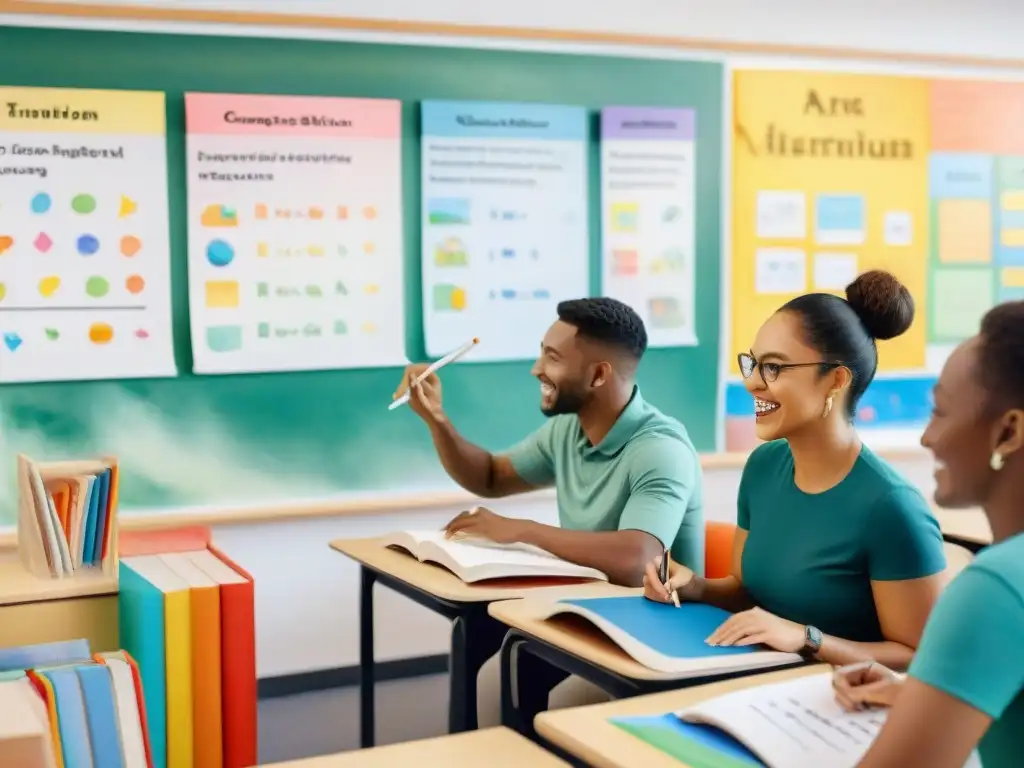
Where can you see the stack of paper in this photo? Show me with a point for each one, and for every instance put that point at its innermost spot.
(188, 617)
(90, 710)
(67, 516)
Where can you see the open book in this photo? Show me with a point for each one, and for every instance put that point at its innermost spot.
(477, 560)
(669, 639)
(792, 724)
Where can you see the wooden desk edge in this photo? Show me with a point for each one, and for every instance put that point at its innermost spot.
(564, 727)
(363, 507)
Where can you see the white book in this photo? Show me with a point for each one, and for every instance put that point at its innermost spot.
(133, 745)
(667, 639)
(794, 724)
(477, 560)
(214, 567)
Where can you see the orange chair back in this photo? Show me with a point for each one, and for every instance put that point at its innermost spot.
(718, 540)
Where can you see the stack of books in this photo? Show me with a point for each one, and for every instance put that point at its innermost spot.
(65, 708)
(186, 612)
(67, 512)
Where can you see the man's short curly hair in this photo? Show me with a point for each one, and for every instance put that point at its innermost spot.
(608, 321)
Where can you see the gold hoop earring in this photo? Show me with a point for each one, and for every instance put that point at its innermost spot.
(828, 407)
(997, 461)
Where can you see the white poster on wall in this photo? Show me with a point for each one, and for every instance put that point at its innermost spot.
(85, 256)
(648, 218)
(504, 223)
(295, 233)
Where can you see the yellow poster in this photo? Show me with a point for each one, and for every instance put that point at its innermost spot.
(830, 179)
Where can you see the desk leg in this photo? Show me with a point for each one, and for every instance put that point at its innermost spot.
(367, 703)
(475, 638)
(509, 654)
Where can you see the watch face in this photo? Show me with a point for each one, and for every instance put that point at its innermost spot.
(814, 636)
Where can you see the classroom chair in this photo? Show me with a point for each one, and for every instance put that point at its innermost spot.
(718, 539)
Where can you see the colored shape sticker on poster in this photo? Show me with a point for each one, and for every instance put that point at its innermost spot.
(504, 223)
(647, 217)
(295, 233)
(87, 184)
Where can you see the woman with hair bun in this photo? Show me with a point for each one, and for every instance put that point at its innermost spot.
(837, 556)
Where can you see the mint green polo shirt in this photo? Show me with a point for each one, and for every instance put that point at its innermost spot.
(811, 557)
(971, 648)
(644, 475)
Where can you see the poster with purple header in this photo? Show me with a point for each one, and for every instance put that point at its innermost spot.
(647, 217)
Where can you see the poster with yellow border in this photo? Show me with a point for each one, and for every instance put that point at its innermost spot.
(830, 179)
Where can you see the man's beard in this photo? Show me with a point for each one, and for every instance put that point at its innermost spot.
(566, 402)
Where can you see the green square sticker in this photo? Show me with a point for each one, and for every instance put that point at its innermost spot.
(960, 298)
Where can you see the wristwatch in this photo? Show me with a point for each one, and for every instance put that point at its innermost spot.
(812, 642)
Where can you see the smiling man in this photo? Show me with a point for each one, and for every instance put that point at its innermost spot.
(628, 478)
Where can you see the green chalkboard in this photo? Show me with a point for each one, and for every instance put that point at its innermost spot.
(198, 440)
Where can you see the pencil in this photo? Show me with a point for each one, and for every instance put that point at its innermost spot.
(664, 577)
(451, 357)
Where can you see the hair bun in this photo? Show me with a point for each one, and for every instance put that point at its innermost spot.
(883, 304)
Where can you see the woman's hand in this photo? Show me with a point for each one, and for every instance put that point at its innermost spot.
(867, 684)
(680, 578)
(758, 627)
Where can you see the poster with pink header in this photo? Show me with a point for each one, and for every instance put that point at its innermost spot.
(295, 255)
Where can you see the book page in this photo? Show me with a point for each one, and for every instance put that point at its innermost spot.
(795, 724)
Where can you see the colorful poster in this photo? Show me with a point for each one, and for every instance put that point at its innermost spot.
(830, 179)
(295, 233)
(85, 278)
(647, 217)
(504, 223)
(976, 194)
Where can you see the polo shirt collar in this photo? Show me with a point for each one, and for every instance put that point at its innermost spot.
(622, 430)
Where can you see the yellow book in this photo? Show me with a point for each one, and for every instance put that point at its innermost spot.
(177, 655)
(206, 662)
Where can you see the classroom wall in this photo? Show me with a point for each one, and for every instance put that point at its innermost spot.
(307, 596)
(984, 28)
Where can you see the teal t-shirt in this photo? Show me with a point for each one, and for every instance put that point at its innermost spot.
(971, 648)
(644, 475)
(811, 558)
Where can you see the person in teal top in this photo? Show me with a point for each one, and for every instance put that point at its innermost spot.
(628, 478)
(965, 687)
(836, 555)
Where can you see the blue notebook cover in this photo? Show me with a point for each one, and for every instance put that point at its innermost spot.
(74, 732)
(701, 746)
(101, 715)
(43, 655)
(678, 633)
(142, 624)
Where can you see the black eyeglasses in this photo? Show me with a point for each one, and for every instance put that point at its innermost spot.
(770, 371)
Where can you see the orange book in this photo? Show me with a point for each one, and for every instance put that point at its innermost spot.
(208, 745)
(238, 656)
(45, 690)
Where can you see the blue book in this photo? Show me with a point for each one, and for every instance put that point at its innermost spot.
(43, 655)
(74, 730)
(142, 623)
(101, 715)
(98, 521)
(89, 524)
(668, 639)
